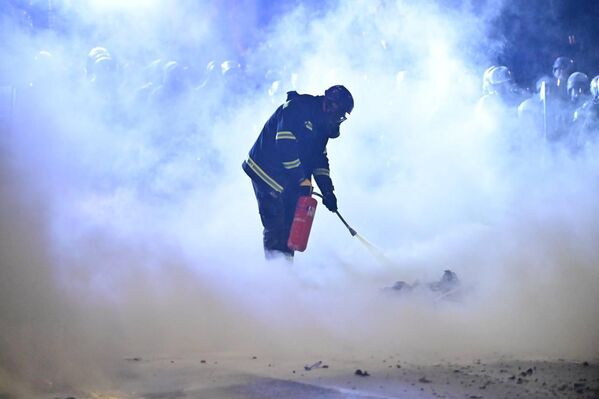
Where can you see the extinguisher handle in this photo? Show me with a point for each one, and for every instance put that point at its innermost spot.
(305, 191)
(351, 231)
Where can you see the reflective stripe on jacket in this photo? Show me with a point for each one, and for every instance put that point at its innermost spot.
(292, 146)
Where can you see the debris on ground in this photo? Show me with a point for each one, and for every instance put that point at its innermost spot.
(402, 286)
(362, 373)
(526, 373)
(447, 285)
(313, 366)
(449, 281)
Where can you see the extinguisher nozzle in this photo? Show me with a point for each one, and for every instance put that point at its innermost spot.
(351, 231)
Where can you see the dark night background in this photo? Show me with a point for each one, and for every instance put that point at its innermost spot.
(538, 31)
(534, 32)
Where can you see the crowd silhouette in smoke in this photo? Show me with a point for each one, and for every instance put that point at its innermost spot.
(128, 219)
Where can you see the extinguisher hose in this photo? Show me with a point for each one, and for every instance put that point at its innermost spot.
(373, 250)
(351, 231)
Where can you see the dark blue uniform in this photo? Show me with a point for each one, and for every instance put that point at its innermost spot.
(290, 148)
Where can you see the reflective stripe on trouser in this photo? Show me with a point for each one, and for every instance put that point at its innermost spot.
(276, 213)
(263, 175)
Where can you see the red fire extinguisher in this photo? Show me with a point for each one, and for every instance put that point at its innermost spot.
(302, 223)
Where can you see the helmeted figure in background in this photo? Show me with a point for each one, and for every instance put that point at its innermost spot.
(533, 111)
(94, 55)
(562, 68)
(547, 114)
(499, 89)
(104, 77)
(487, 76)
(586, 118)
(497, 108)
(578, 89)
(175, 84)
(290, 149)
(150, 76)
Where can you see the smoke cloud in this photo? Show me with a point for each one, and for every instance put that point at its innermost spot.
(128, 227)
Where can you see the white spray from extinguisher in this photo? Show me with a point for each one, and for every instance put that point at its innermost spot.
(371, 248)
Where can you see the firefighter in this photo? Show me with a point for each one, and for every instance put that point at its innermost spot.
(290, 149)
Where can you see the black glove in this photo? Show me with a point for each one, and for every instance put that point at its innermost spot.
(305, 191)
(330, 201)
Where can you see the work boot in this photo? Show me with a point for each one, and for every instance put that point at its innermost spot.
(273, 254)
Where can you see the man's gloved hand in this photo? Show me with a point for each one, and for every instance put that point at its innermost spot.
(330, 201)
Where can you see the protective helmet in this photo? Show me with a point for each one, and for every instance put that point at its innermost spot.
(98, 52)
(500, 75)
(578, 80)
(487, 79)
(211, 66)
(339, 102)
(174, 75)
(595, 87)
(233, 74)
(94, 55)
(563, 63)
(562, 68)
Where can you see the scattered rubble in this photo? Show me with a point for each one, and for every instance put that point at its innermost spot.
(362, 373)
(313, 366)
(448, 285)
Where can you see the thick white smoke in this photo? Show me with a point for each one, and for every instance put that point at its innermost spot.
(129, 228)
